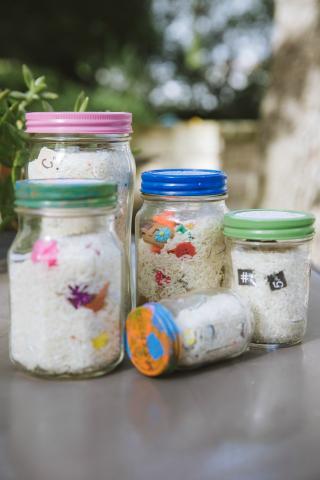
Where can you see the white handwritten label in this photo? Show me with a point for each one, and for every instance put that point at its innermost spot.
(277, 281)
(44, 166)
(246, 277)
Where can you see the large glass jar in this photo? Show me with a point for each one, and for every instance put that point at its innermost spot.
(65, 268)
(270, 265)
(87, 145)
(179, 233)
(187, 332)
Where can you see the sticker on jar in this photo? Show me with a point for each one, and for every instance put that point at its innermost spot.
(277, 281)
(46, 157)
(246, 277)
(202, 337)
(42, 166)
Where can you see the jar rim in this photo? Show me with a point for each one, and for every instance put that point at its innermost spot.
(186, 198)
(65, 212)
(79, 137)
(272, 243)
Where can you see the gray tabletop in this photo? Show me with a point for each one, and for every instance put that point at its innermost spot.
(257, 417)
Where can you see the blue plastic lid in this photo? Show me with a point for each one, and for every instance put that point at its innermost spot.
(184, 182)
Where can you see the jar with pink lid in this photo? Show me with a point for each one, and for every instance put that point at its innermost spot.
(87, 145)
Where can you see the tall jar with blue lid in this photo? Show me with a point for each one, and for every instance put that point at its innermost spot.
(180, 245)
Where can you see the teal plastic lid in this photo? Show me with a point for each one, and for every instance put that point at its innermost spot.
(65, 193)
(269, 225)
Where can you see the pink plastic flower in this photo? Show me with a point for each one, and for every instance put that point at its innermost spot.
(161, 278)
(45, 252)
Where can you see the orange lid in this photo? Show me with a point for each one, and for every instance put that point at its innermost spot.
(152, 339)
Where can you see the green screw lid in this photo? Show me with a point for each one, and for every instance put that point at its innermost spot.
(263, 224)
(65, 193)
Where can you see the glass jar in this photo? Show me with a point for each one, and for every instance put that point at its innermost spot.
(85, 145)
(179, 233)
(270, 265)
(65, 270)
(188, 331)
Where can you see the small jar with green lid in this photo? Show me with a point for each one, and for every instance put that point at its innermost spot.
(270, 267)
(66, 284)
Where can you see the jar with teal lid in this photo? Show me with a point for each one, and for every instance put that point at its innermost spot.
(188, 331)
(180, 245)
(270, 254)
(66, 279)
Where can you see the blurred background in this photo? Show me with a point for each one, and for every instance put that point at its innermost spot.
(231, 84)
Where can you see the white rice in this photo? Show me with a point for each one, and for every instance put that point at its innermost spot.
(281, 314)
(204, 270)
(48, 334)
(212, 327)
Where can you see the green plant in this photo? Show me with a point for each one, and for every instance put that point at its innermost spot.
(81, 103)
(13, 140)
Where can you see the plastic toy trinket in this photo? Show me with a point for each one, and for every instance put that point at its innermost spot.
(156, 234)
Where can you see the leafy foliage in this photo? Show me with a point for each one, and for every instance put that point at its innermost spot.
(13, 141)
(76, 37)
(168, 58)
(215, 57)
(81, 103)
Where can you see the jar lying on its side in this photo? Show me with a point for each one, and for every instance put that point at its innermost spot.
(87, 145)
(65, 268)
(270, 256)
(179, 233)
(188, 331)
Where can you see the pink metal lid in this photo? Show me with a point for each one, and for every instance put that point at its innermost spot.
(79, 122)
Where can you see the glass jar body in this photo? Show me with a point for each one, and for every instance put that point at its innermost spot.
(66, 293)
(187, 332)
(180, 246)
(212, 326)
(105, 157)
(274, 278)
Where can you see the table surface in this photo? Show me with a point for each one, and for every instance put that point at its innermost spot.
(257, 417)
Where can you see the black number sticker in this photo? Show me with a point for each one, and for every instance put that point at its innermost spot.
(246, 277)
(277, 281)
